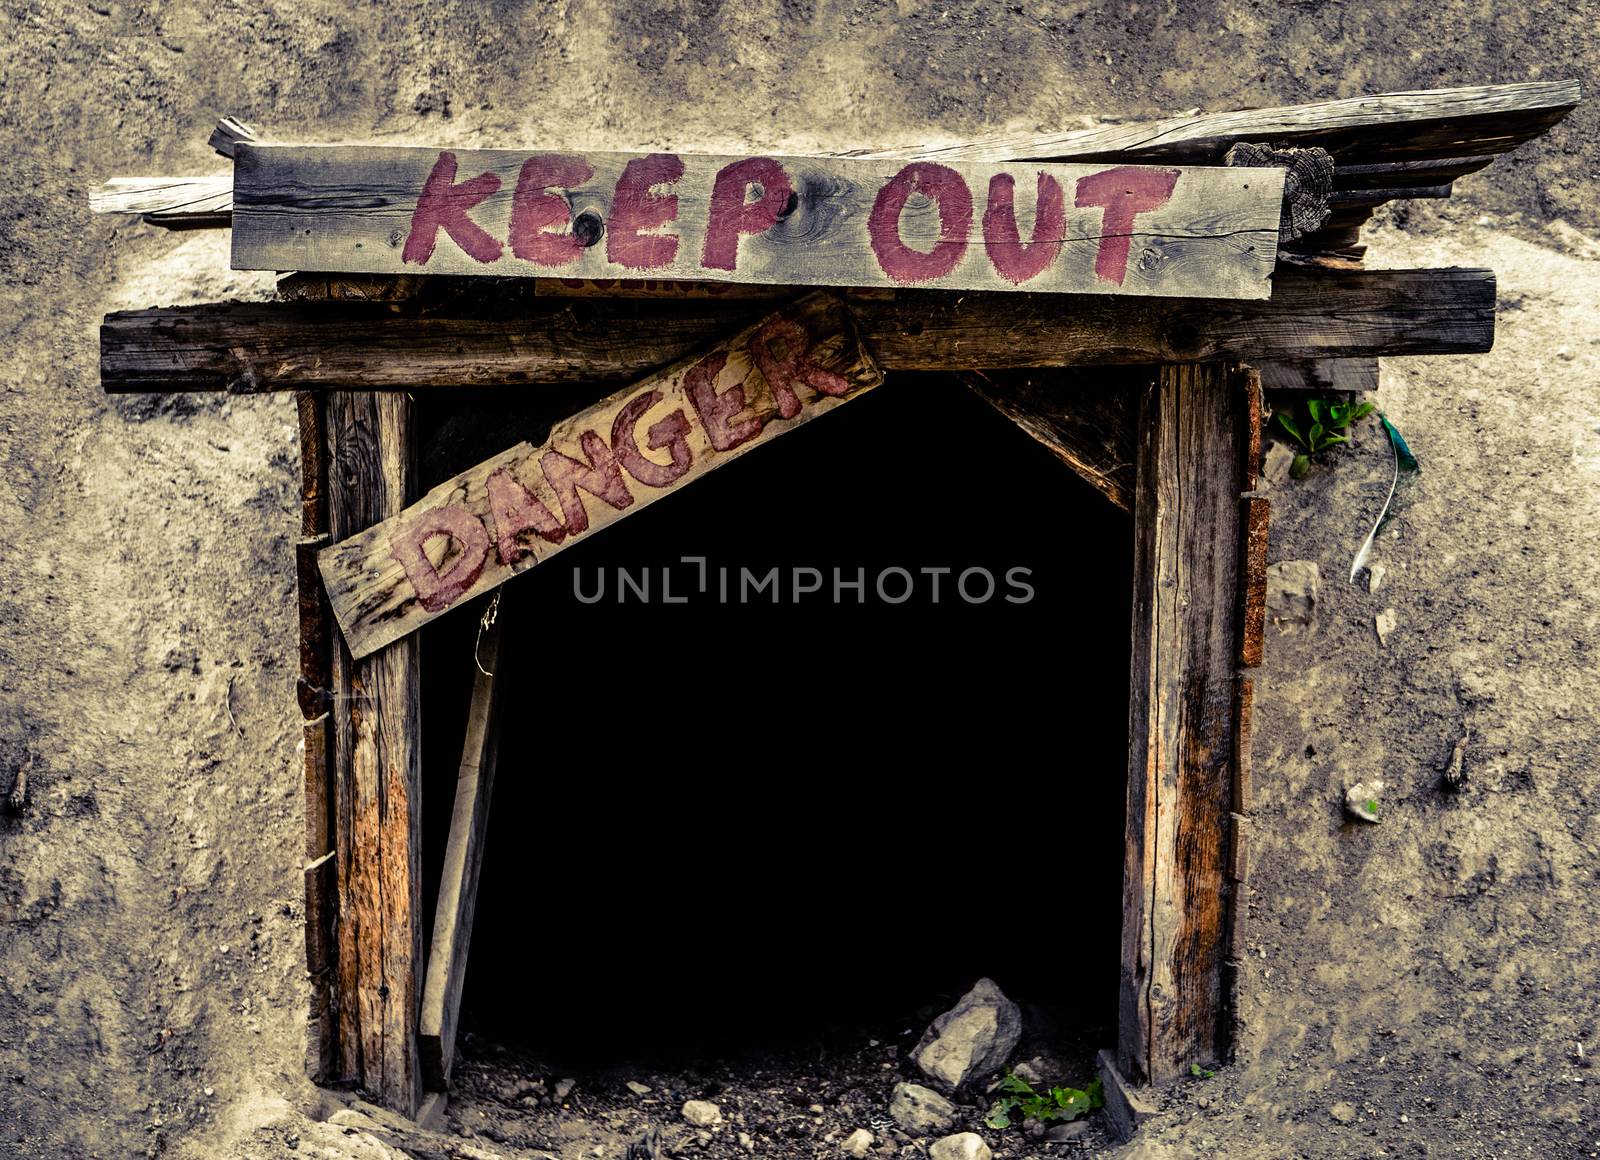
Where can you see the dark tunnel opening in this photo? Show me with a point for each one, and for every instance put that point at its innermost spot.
(724, 827)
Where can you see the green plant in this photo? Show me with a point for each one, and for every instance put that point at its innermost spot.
(1199, 1072)
(1325, 425)
(1059, 1103)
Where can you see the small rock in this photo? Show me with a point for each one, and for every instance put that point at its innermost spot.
(637, 1088)
(1028, 1071)
(1385, 623)
(921, 1111)
(1361, 800)
(1344, 1113)
(1275, 464)
(1375, 575)
(971, 1040)
(747, 1141)
(563, 1089)
(1061, 1133)
(816, 1109)
(1292, 592)
(858, 1143)
(962, 1146)
(702, 1113)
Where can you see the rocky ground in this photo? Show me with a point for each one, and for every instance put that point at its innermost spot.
(1419, 987)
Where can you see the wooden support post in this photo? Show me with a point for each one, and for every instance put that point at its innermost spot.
(463, 855)
(316, 739)
(377, 773)
(1194, 432)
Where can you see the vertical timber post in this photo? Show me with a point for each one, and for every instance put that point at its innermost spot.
(1196, 424)
(377, 773)
(316, 739)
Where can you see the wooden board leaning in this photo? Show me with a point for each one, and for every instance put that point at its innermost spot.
(483, 527)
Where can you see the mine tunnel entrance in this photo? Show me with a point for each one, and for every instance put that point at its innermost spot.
(745, 824)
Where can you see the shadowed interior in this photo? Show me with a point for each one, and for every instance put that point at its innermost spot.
(725, 826)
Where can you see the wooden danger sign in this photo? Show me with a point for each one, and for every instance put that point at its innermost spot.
(1124, 229)
(481, 528)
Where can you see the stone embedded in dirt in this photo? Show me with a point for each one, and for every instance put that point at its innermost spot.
(962, 1146)
(1061, 1133)
(702, 1113)
(1361, 800)
(921, 1111)
(858, 1143)
(971, 1040)
(563, 1089)
(1292, 592)
(1385, 622)
(747, 1141)
(1275, 465)
(637, 1088)
(1344, 1113)
(1375, 575)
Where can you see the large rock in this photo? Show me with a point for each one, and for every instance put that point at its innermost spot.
(921, 1111)
(971, 1040)
(964, 1146)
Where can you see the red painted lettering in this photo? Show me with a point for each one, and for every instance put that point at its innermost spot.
(716, 411)
(1124, 192)
(515, 511)
(794, 365)
(1014, 260)
(438, 590)
(601, 476)
(733, 215)
(535, 208)
(670, 432)
(636, 208)
(444, 204)
(945, 186)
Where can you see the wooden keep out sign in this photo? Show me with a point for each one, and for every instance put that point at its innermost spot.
(1174, 231)
(1169, 263)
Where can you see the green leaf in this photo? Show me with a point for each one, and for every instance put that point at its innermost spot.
(997, 1117)
(1015, 1083)
(1331, 440)
(1288, 424)
(1362, 411)
(1096, 1092)
(1318, 410)
(1314, 438)
(1298, 468)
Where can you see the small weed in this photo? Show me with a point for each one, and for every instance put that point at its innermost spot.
(1323, 426)
(1199, 1072)
(1059, 1103)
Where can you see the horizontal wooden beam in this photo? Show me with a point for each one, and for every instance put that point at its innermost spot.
(1381, 127)
(1312, 314)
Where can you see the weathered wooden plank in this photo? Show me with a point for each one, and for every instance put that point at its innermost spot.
(1329, 374)
(488, 524)
(463, 857)
(316, 741)
(1313, 314)
(1382, 127)
(1253, 581)
(1192, 435)
(377, 764)
(1087, 423)
(174, 202)
(802, 221)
